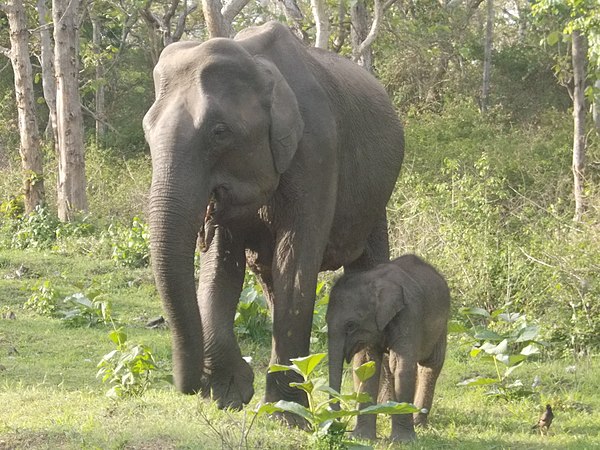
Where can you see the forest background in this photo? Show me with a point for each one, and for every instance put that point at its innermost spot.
(499, 189)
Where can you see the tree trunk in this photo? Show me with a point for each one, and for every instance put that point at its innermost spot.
(99, 100)
(47, 63)
(215, 23)
(487, 56)
(31, 155)
(360, 29)
(294, 17)
(340, 39)
(71, 159)
(596, 109)
(322, 23)
(578, 57)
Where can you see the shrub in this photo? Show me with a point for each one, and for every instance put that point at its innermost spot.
(131, 245)
(130, 368)
(44, 299)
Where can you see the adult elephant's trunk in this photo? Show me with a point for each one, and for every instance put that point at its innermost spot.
(176, 213)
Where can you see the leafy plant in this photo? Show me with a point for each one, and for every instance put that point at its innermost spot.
(129, 368)
(44, 299)
(319, 324)
(131, 246)
(507, 340)
(35, 230)
(85, 309)
(324, 422)
(252, 315)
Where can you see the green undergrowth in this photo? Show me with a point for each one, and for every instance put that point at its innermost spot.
(486, 201)
(52, 399)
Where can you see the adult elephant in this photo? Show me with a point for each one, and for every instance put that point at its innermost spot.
(270, 153)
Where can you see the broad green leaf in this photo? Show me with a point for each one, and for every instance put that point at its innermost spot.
(281, 368)
(390, 408)
(307, 386)
(308, 363)
(509, 317)
(329, 414)
(553, 38)
(485, 334)
(365, 371)
(295, 408)
(474, 312)
(266, 408)
(478, 381)
(492, 349)
(361, 397)
(475, 351)
(119, 337)
(510, 369)
(531, 349)
(510, 360)
(528, 333)
(455, 326)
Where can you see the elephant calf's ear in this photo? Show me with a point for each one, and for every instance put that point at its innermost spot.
(287, 125)
(389, 302)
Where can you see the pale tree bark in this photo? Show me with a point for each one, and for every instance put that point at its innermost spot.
(487, 56)
(578, 48)
(319, 11)
(342, 32)
(359, 16)
(30, 149)
(294, 17)
(362, 34)
(161, 31)
(46, 58)
(72, 196)
(215, 22)
(100, 115)
(596, 107)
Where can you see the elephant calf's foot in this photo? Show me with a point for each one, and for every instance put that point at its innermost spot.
(421, 419)
(231, 388)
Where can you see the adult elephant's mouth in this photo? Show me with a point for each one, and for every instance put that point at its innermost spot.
(209, 226)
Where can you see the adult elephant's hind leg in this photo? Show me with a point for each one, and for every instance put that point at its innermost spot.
(229, 377)
(377, 249)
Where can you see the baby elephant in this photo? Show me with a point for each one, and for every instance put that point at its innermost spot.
(396, 313)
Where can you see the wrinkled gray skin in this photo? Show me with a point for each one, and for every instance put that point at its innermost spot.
(269, 153)
(397, 313)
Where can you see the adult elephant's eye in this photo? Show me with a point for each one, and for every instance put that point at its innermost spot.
(351, 327)
(220, 130)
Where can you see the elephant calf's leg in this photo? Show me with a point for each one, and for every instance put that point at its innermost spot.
(405, 377)
(427, 375)
(366, 425)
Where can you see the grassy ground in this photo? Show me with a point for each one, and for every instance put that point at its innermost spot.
(50, 397)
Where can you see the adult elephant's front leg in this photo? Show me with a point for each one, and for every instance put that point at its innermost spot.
(293, 297)
(229, 377)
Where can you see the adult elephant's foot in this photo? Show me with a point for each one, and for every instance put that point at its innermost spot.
(231, 387)
(365, 428)
(278, 388)
(363, 433)
(404, 436)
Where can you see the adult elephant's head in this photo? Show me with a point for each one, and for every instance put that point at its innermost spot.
(223, 128)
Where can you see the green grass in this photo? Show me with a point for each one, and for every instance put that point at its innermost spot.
(50, 398)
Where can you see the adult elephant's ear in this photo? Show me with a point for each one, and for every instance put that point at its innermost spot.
(287, 125)
(389, 301)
